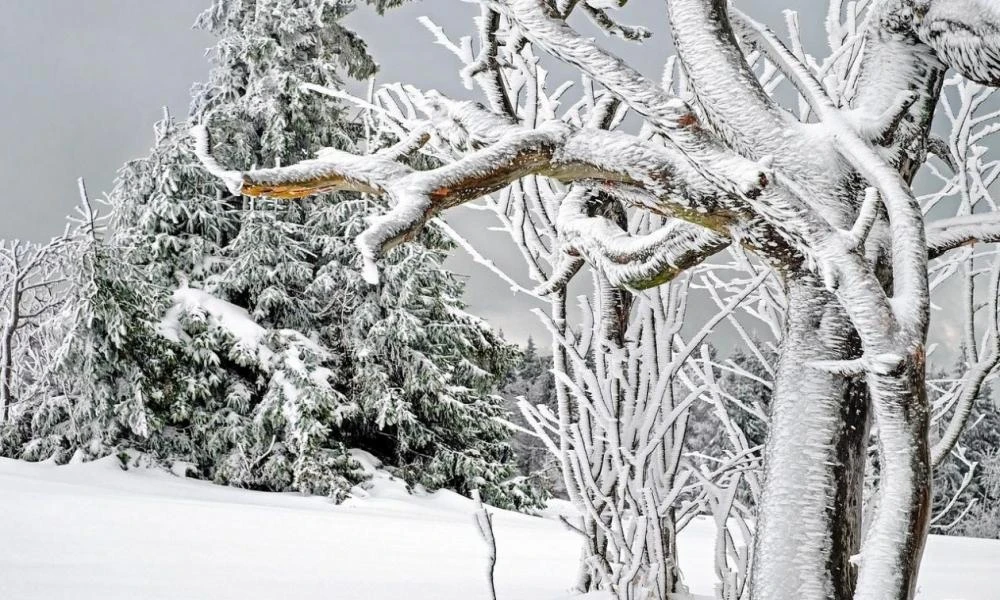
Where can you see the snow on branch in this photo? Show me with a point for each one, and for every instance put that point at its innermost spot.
(637, 262)
(602, 19)
(740, 110)
(332, 170)
(964, 33)
(905, 219)
(948, 234)
(670, 115)
(505, 153)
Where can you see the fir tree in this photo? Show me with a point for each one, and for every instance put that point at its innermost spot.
(531, 379)
(240, 340)
(108, 368)
(423, 372)
(416, 370)
(169, 218)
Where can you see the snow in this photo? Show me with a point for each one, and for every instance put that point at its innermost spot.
(95, 531)
(233, 319)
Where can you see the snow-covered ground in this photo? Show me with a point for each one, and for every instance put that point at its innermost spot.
(94, 531)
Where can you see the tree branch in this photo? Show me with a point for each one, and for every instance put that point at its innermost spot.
(668, 114)
(945, 235)
(638, 262)
(740, 111)
(972, 383)
(553, 150)
(965, 35)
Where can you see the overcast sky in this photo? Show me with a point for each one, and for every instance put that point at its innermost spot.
(84, 81)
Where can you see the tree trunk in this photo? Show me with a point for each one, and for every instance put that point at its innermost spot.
(7, 355)
(894, 544)
(668, 550)
(810, 511)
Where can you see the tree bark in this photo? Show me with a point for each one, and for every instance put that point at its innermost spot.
(895, 542)
(810, 513)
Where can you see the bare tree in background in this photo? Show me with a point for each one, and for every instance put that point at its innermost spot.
(820, 194)
(32, 289)
(35, 284)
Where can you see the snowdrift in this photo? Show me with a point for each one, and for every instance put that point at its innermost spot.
(94, 531)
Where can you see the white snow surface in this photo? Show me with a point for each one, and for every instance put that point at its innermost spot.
(94, 531)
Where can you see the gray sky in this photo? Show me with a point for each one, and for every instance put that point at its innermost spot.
(84, 81)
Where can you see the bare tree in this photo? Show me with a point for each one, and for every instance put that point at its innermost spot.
(35, 286)
(32, 290)
(821, 195)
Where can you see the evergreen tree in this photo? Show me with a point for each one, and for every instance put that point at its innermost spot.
(261, 115)
(423, 373)
(169, 217)
(747, 396)
(238, 337)
(258, 408)
(531, 378)
(751, 395)
(978, 444)
(108, 368)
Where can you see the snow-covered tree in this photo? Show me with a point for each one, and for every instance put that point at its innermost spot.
(253, 407)
(401, 371)
(819, 192)
(963, 480)
(420, 370)
(267, 51)
(745, 390)
(531, 379)
(33, 284)
(103, 368)
(167, 218)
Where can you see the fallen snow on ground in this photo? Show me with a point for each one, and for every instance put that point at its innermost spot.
(94, 531)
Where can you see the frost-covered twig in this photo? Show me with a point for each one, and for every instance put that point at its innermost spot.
(948, 234)
(637, 262)
(974, 378)
(484, 524)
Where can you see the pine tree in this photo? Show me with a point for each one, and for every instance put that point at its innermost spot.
(259, 406)
(256, 104)
(239, 340)
(423, 371)
(531, 379)
(169, 218)
(252, 413)
(416, 370)
(108, 368)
